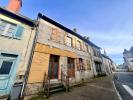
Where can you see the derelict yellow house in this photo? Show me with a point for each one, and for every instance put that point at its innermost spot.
(58, 49)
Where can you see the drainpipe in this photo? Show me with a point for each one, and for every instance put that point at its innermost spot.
(31, 57)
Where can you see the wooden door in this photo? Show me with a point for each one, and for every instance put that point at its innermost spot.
(53, 67)
(71, 68)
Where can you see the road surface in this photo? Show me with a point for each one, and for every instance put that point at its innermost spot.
(124, 84)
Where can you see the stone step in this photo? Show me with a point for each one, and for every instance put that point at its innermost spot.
(53, 91)
(55, 87)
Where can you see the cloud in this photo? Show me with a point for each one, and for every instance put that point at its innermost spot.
(113, 43)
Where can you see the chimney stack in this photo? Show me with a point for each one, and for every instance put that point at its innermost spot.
(14, 5)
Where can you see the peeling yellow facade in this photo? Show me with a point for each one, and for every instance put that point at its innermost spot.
(40, 62)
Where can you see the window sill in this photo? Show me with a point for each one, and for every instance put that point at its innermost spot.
(9, 37)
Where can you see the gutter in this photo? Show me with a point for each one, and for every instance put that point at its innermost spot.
(22, 94)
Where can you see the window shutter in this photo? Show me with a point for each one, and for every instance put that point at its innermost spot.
(19, 31)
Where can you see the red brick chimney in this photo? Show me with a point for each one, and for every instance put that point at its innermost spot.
(14, 5)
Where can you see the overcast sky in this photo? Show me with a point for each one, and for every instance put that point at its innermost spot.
(109, 23)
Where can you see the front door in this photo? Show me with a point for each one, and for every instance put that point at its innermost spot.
(98, 67)
(71, 68)
(7, 69)
(53, 67)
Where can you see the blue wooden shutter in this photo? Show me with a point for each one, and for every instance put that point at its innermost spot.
(19, 32)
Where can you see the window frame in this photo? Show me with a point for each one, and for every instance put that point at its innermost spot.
(15, 62)
(70, 61)
(88, 63)
(78, 47)
(66, 42)
(7, 59)
(15, 31)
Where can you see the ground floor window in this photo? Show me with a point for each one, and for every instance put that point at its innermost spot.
(88, 62)
(81, 64)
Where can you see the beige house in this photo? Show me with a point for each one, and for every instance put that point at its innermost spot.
(16, 40)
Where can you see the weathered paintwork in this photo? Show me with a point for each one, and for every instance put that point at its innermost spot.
(22, 48)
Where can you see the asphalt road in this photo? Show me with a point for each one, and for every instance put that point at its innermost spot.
(124, 84)
(96, 89)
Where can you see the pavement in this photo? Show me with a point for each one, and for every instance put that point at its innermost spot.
(96, 89)
(124, 84)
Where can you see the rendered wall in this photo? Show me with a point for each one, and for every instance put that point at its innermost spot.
(21, 47)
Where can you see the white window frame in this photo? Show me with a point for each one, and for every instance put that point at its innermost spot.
(78, 45)
(69, 41)
(7, 27)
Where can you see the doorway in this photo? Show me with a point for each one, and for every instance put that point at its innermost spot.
(98, 67)
(53, 67)
(71, 68)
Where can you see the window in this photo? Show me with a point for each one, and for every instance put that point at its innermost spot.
(78, 45)
(6, 63)
(82, 46)
(10, 30)
(81, 64)
(69, 41)
(94, 52)
(70, 62)
(55, 35)
(86, 48)
(5, 67)
(88, 64)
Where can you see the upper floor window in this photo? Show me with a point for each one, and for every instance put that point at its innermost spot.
(69, 41)
(83, 48)
(10, 30)
(55, 36)
(96, 53)
(87, 48)
(78, 45)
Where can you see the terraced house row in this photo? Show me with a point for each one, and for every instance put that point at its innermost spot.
(36, 55)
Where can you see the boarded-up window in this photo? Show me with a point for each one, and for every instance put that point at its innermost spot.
(69, 41)
(56, 35)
